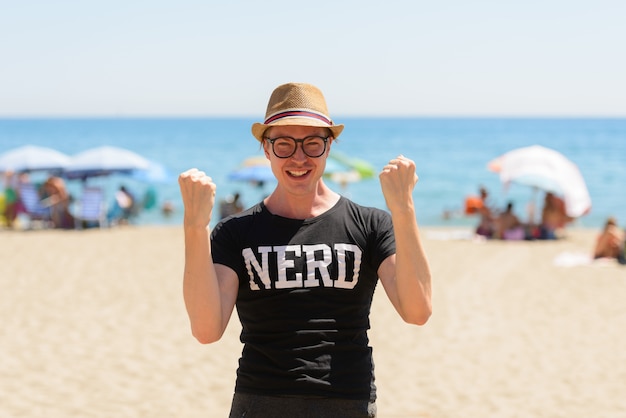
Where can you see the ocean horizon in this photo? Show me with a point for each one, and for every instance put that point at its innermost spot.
(451, 156)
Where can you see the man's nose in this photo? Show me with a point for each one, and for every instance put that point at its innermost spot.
(299, 154)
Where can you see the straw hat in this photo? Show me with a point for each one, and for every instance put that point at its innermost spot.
(296, 104)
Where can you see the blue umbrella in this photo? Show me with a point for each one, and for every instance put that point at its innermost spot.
(103, 161)
(258, 174)
(155, 173)
(254, 169)
(33, 158)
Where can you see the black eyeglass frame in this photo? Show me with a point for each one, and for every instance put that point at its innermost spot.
(301, 142)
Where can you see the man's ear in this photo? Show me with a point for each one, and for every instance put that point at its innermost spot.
(266, 148)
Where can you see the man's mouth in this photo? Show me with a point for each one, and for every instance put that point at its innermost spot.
(297, 173)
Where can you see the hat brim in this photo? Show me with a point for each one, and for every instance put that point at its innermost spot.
(258, 129)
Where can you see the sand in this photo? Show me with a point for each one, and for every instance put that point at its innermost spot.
(93, 325)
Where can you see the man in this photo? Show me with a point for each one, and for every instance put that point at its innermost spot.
(610, 241)
(302, 266)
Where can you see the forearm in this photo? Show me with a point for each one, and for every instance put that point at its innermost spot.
(201, 288)
(412, 275)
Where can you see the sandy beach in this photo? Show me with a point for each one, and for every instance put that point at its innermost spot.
(93, 325)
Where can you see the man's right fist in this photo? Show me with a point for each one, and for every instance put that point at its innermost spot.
(198, 193)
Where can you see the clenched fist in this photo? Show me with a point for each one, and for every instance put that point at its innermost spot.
(397, 180)
(198, 193)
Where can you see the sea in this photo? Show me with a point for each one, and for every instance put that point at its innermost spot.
(451, 156)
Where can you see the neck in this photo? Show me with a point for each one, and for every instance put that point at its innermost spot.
(310, 205)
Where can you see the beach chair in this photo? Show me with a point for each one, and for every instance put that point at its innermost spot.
(32, 205)
(90, 208)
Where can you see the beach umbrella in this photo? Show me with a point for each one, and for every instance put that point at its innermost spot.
(30, 158)
(103, 161)
(155, 173)
(362, 167)
(256, 169)
(548, 170)
(343, 169)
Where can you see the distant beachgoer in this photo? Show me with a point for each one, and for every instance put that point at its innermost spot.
(57, 198)
(486, 227)
(230, 206)
(473, 204)
(124, 207)
(167, 208)
(553, 217)
(508, 226)
(610, 242)
(149, 198)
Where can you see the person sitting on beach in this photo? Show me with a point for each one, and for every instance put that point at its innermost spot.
(57, 198)
(301, 266)
(553, 217)
(508, 226)
(610, 242)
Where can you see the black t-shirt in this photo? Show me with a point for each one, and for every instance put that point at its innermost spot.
(305, 292)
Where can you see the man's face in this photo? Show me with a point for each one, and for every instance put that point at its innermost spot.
(298, 172)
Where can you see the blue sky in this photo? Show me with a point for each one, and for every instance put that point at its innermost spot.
(405, 58)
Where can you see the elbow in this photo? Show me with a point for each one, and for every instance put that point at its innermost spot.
(417, 310)
(205, 336)
(423, 318)
(418, 318)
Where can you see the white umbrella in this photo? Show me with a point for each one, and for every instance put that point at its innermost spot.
(105, 160)
(548, 170)
(33, 158)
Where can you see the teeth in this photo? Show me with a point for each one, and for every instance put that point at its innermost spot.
(298, 173)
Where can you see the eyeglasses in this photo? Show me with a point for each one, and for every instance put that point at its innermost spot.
(285, 146)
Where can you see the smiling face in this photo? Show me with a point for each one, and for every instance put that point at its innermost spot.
(298, 174)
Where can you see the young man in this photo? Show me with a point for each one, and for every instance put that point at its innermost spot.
(302, 266)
